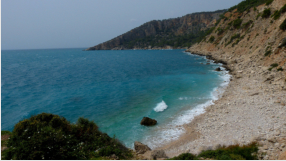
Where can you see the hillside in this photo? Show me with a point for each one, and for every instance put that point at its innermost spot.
(251, 40)
(171, 33)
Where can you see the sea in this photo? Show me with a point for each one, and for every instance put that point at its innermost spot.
(115, 89)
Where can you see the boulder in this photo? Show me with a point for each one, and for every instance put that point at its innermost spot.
(148, 121)
(140, 148)
(155, 154)
(218, 69)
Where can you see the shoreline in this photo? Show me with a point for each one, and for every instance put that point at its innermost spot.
(239, 116)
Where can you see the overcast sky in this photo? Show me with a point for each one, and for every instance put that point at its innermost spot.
(42, 24)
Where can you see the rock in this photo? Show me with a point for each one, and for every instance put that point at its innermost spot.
(217, 146)
(141, 148)
(265, 147)
(158, 154)
(218, 69)
(254, 94)
(148, 121)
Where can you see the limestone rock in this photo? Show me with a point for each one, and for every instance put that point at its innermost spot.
(158, 154)
(141, 148)
(218, 69)
(148, 121)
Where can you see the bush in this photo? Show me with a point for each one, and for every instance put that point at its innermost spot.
(283, 25)
(269, 2)
(274, 65)
(48, 136)
(220, 31)
(276, 15)
(280, 69)
(266, 13)
(283, 9)
(267, 53)
(247, 24)
(184, 156)
(233, 152)
(283, 44)
(236, 23)
(212, 39)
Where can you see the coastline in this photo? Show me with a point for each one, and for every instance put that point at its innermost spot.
(247, 111)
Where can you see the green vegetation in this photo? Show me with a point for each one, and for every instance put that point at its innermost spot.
(176, 41)
(247, 4)
(5, 133)
(283, 44)
(233, 152)
(280, 69)
(220, 31)
(233, 37)
(269, 2)
(283, 25)
(274, 65)
(48, 136)
(283, 9)
(276, 15)
(267, 53)
(236, 23)
(266, 13)
(247, 24)
(212, 38)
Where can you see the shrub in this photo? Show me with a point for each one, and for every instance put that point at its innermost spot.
(276, 15)
(232, 152)
(184, 156)
(274, 65)
(283, 9)
(212, 38)
(266, 13)
(283, 25)
(269, 2)
(48, 136)
(267, 53)
(247, 24)
(283, 43)
(280, 69)
(220, 31)
(236, 23)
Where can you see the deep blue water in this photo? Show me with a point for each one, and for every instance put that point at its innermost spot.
(116, 89)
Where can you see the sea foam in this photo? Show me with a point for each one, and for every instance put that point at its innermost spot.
(160, 107)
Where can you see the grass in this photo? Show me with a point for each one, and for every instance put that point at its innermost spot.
(233, 152)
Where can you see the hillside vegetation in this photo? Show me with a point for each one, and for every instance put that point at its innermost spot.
(171, 33)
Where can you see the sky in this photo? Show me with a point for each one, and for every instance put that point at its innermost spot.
(43, 24)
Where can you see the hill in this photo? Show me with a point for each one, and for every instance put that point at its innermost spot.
(171, 33)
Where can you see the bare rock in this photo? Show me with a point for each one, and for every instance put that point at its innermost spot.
(148, 121)
(282, 156)
(158, 154)
(141, 148)
(218, 69)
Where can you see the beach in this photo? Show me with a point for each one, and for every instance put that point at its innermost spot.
(252, 108)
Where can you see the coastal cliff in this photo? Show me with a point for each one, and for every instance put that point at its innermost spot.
(171, 33)
(251, 40)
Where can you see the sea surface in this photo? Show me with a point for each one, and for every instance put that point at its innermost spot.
(115, 89)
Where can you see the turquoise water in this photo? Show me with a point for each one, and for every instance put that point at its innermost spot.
(116, 89)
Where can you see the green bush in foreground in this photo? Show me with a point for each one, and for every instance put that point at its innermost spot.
(233, 152)
(276, 15)
(48, 136)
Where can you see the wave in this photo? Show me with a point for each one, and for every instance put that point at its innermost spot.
(160, 107)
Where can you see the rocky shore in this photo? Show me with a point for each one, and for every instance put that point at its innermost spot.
(253, 106)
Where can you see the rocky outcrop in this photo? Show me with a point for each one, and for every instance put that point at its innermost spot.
(148, 121)
(141, 148)
(191, 23)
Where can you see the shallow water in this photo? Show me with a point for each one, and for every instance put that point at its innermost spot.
(116, 89)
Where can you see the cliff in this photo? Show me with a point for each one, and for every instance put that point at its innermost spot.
(170, 33)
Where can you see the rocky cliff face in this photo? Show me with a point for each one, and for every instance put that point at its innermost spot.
(191, 23)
